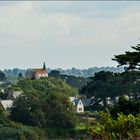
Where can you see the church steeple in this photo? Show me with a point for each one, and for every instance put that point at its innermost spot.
(44, 66)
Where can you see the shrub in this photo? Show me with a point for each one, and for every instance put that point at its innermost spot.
(123, 127)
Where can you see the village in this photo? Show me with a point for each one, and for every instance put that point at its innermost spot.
(81, 103)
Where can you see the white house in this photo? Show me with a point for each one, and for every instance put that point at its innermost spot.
(12, 95)
(80, 103)
(6, 104)
(108, 100)
(79, 107)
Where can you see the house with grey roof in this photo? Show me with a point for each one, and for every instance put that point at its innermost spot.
(6, 104)
(12, 95)
(81, 104)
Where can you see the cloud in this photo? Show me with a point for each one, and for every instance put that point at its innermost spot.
(66, 33)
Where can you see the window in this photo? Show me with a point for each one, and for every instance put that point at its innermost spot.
(80, 109)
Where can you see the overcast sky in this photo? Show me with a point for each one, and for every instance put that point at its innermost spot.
(66, 34)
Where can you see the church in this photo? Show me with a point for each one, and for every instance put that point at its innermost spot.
(37, 73)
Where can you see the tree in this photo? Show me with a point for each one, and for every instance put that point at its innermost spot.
(73, 81)
(54, 73)
(107, 84)
(124, 127)
(102, 85)
(2, 76)
(59, 113)
(27, 109)
(126, 107)
(20, 76)
(45, 104)
(130, 60)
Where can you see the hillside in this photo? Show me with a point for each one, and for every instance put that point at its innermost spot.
(46, 86)
(43, 110)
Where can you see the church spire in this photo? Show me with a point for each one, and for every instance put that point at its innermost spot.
(44, 66)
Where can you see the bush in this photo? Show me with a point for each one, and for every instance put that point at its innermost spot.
(124, 127)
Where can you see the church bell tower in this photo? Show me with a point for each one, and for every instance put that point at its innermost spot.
(44, 66)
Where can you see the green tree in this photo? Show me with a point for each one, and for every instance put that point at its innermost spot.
(126, 107)
(107, 84)
(73, 81)
(130, 60)
(46, 85)
(54, 73)
(60, 113)
(27, 109)
(2, 76)
(102, 85)
(124, 127)
(45, 104)
(20, 76)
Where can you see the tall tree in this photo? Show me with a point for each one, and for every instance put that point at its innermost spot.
(107, 84)
(27, 109)
(59, 111)
(2, 76)
(130, 60)
(20, 76)
(102, 85)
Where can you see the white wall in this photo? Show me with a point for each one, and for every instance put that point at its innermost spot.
(80, 107)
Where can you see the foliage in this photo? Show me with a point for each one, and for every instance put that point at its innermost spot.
(20, 132)
(73, 71)
(102, 85)
(45, 104)
(14, 72)
(124, 127)
(46, 86)
(108, 84)
(13, 131)
(89, 72)
(73, 81)
(27, 109)
(126, 107)
(56, 115)
(20, 76)
(2, 95)
(131, 60)
(59, 112)
(2, 76)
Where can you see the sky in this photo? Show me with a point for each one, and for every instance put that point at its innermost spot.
(66, 34)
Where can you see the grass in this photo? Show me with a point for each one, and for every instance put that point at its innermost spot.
(80, 126)
(85, 123)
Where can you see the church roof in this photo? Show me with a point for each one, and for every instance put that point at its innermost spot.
(41, 71)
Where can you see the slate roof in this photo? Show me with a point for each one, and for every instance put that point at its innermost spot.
(85, 102)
